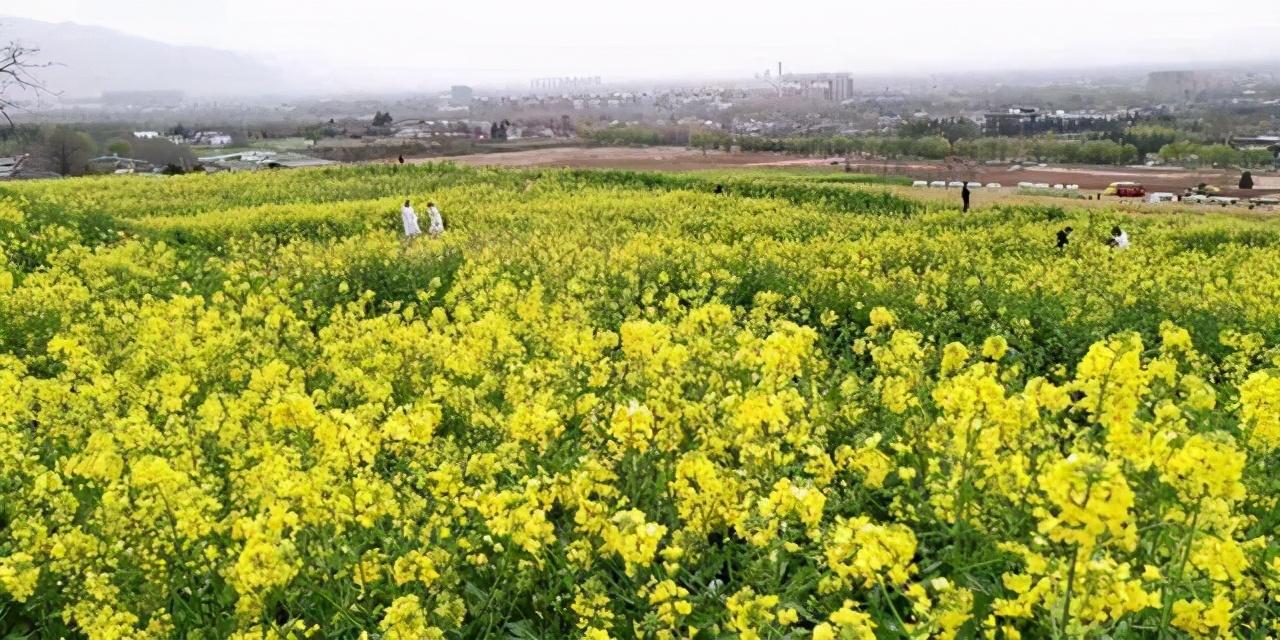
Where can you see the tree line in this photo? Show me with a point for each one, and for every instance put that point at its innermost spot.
(931, 147)
(627, 135)
(1129, 147)
(68, 151)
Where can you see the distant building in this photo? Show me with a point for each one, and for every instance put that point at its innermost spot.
(1256, 142)
(460, 94)
(833, 87)
(19, 168)
(257, 160)
(1270, 142)
(564, 84)
(116, 164)
(146, 135)
(1030, 121)
(1184, 86)
(210, 139)
(1015, 121)
(11, 166)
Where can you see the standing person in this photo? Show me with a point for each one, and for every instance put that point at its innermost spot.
(1063, 237)
(436, 224)
(1119, 239)
(402, 158)
(964, 195)
(410, 219)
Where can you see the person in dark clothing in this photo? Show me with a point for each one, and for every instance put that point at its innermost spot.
(401, 159)
(1063, 237)
(964, 195)
(719, 188)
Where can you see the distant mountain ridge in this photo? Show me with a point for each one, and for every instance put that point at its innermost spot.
(88, 61)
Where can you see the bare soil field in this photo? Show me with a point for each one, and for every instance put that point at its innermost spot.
(1007, 196)
(1089, 178)
(1270, 183)
(638, 158)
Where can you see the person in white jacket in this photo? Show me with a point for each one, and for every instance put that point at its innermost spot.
(1119, 239)
(436, 221)
(410, 219)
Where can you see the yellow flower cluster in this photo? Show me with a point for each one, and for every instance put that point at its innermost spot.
(616, 405)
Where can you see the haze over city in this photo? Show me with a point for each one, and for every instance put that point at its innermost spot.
(327, 45)
(155, 87)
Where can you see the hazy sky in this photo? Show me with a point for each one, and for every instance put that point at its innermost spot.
(514, 40)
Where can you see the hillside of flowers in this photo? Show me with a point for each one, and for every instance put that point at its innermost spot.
(617, 405)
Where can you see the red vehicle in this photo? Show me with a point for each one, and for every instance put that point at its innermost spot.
(1126, 190)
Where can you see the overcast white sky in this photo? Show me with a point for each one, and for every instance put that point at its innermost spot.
(517, 39)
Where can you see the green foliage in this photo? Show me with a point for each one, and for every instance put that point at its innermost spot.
(161, 152)
(1042, 149)
(932, 147)
(1151, 138)
(68, 151)
(1178, 151)
(317, 132)
(1053, 193)
(1258, 158)
(952, 129)
(1215, 155)
(119, 147)
(713, 139)
(1219, 155)
(638, 135)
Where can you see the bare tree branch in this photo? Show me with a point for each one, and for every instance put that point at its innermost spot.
(17, 62)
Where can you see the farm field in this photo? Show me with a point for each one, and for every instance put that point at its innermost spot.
(657, 158)
(665, 158)
(618, 405)
(1089, 177)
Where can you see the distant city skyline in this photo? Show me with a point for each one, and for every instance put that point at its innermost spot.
(382, 44)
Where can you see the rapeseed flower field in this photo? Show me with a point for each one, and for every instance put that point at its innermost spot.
(614, 405)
